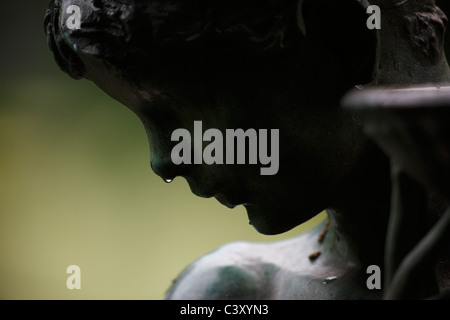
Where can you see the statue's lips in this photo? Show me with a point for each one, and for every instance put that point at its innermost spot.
(229, 197)
(230, 200)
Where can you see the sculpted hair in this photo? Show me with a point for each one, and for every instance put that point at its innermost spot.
(125, 28)
(426, 29)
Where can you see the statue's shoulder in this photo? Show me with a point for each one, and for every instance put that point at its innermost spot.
(302, 267)
(245, 270)
(234, 271)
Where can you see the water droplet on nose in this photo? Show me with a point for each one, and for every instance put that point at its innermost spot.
(329, 279)
(168, 180)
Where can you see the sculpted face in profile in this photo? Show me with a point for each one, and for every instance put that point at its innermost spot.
(253, 65)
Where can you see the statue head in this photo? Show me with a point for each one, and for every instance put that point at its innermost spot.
(235, 64)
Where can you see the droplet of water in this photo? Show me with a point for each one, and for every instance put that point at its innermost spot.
(329, 279)
(168, 180)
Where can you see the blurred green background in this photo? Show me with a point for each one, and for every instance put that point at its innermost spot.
(76, 185)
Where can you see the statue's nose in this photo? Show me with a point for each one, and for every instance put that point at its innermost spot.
(166, 169)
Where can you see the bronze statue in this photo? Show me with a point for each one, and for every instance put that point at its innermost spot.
(274, 64)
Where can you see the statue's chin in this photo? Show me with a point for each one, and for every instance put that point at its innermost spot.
(272, 222)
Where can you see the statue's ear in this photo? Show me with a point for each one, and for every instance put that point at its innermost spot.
(340, 27)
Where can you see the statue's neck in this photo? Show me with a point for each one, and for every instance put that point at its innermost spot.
(359, 217)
